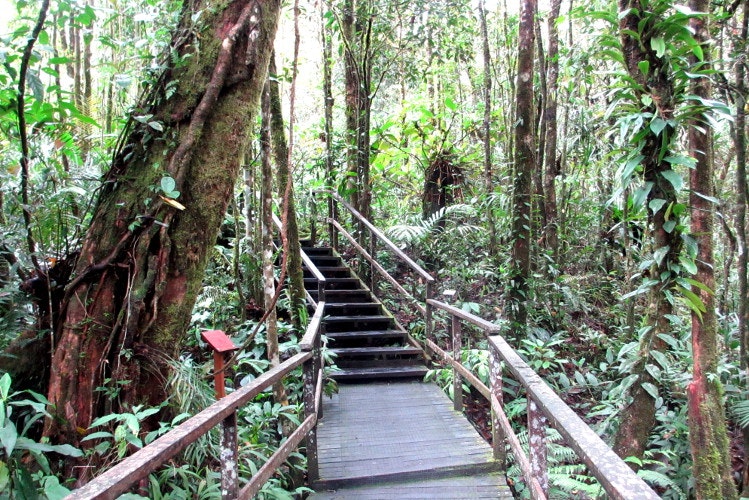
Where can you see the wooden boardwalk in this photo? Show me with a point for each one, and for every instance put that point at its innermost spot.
(401, 440)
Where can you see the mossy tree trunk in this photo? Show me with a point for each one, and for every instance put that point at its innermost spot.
(711, 464)
(127, 308)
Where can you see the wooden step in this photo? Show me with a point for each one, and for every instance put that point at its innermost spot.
(352, 308)
(315, 251)
(357, 322)
(385, 351)
(363, 335)
(335, 283)
(376, 373)
(331, 272)
(325, 260)
(344, 296)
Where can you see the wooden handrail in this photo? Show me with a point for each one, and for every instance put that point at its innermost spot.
(309, 264)
(616, 477)
(122, 476)
(381, 236)
(119, 478)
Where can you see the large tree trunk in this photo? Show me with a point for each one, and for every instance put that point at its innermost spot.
(127, 308)
(741, 200)
(525, 162)
(711, 465)
(638, 417)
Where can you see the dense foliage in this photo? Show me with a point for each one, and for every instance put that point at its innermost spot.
(595, 280)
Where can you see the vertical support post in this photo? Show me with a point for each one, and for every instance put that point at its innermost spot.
(313, 220)
(428, 313)
(229, 457)
(372, 274)
(222, 345)
(537, 443)
(310, 385)
(499, 438)
(457, 379)
(332, 215)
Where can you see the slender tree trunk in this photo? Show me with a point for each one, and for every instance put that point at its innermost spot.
(487, 130)
(550, 167)
(291, 228)
(353, 86)
(141, 265)
(327, 44)
(269, 282)
(711, 464)
(525, 162)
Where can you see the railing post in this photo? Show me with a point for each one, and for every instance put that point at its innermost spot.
(499, 438)
(537, 443)
(313, 220)
(372, 274)
(228, 456)
(310, 386)
(428, 311)
(332, 215)
(457, 379)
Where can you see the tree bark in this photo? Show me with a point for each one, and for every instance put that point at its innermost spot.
(141, 265)
(638, 417)
(291, 227)
(525, 162)
(550, 168)
(487, 126)
(741, 201)
(269, 282)
(711, 464)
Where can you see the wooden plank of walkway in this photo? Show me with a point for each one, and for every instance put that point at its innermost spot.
(402, 440)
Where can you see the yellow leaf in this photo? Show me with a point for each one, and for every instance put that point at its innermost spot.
(174, 203)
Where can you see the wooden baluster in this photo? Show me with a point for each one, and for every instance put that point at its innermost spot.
(428, 312)
(457, 379)
(313, 221)
(498, 434)
(372, 252)
(229, 457)
(310, 385)
(537, 424)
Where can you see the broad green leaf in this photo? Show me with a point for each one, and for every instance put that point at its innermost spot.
(644, 67)
(97, 435)
(53, 490)
(658, 44)
(639, 197)
(105, 419)
(450, 104)
(674, 178)
(5, 382)
(657, 125)
(8, 437)
(62, 449)
(156, 126)
(656, 204)
(669, 225)
(650, 389)
(168, 184)
(660, 253)
(688, 264)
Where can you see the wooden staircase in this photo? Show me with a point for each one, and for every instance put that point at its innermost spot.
(367, 341)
